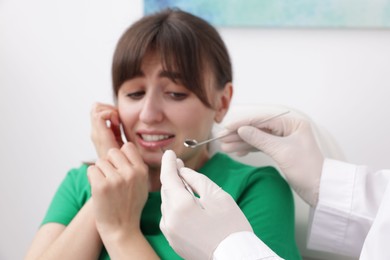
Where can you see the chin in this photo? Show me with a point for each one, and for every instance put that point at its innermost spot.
(153, 160)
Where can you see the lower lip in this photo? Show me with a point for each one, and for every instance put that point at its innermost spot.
(154, 144)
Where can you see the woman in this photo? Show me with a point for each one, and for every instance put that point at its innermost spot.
(172, 79)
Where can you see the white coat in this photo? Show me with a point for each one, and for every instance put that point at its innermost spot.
(352, 217)
(354, 203)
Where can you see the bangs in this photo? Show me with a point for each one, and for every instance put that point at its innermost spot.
(185, 45)
(181, 56)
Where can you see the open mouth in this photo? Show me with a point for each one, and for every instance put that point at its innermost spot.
(154, 138)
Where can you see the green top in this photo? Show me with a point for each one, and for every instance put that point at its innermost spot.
(261, 193)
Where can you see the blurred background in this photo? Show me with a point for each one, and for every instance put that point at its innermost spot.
(55, 62)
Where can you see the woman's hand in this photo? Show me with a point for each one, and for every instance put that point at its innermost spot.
(119, 187)
(105, 137)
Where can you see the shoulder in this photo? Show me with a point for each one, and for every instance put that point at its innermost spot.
(76, 181)
(78, 173)
(231, 174)
(229, 166)
(70, 196)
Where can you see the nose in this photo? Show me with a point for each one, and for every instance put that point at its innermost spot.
(152, 110)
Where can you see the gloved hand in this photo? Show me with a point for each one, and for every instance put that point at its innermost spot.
(289, 141)
(194, 231)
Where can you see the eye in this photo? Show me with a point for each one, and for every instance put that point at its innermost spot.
(178, 95)
(136, 95)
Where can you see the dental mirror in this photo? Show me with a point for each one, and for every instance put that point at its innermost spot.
(192, 143)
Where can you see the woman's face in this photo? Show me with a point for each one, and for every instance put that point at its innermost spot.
(157, 114)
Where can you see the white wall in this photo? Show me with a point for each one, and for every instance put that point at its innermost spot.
(55, 62)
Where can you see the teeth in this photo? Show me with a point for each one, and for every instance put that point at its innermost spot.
(154, 138)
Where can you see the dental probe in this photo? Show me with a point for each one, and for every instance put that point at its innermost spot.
(192, 143)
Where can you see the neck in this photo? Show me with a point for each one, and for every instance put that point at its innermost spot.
(154, 179)
(195, 163)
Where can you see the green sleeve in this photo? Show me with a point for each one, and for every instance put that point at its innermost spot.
(268, 204)
(69, 198)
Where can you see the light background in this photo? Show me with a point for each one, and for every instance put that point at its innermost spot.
(55, 60)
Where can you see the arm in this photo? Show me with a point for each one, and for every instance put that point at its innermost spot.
(244, 246)
(121, 241)
(56, 241)
(376, 245)
(119, 187)
(349, 195)
(349, 199)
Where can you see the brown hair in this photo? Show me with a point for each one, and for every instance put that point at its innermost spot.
(187, 45)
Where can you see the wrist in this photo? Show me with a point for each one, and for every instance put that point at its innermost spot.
(243, 245)
(119, 238)
(129, 245)
(118, 233)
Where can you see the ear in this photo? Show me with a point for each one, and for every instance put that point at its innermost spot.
(223, 102)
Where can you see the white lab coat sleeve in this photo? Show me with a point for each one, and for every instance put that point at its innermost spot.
(244, 246)
(349, 199)
(376, 245)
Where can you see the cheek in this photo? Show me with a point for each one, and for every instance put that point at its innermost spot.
(128, 115)
(194, 121)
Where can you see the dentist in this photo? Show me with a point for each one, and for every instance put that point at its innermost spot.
(350, 203)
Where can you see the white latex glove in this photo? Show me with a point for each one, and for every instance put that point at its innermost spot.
(289, 141)
(194, 232)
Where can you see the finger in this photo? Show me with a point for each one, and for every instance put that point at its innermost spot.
(118, 134)
(98, 120)
(259, 139)
(94, 175)
(103, 113)
(132, 154)
(117, 158)
(281, 126)
(256, 120)
(99, 124)
(116, 127)
(169, 177)
(264, 119)
(179, 163)
(233, 137)
(98, 107)
(162, 225)
(108, 117)
(174, 201)
(114, 118)
(200, 183)
(242, 153)
(233, 126)
(106, 168)
(236, 147)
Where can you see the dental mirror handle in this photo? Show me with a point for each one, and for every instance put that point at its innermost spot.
(193, 143)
